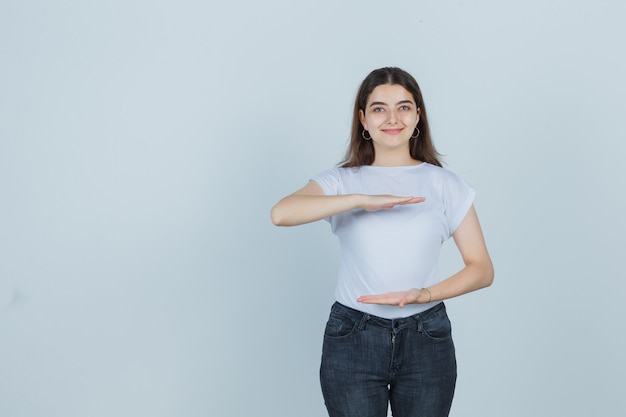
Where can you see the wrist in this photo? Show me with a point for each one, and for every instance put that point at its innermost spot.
(424, 296)
(357, 201)
(360, 201)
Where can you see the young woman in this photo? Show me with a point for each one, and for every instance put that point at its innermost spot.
(391, 204)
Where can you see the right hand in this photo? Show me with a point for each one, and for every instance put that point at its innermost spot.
(386, 202)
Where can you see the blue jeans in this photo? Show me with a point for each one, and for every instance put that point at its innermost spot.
(369, 362)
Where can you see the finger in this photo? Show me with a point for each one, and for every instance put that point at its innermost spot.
(414, 200)
(403, 300)
(369, 299)
(408, 200)
(401, 303)
(385, 299)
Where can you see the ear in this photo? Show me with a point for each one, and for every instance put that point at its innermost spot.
(362, 119)
(419, 112)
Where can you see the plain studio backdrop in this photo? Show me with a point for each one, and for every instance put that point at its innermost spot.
(143, 143)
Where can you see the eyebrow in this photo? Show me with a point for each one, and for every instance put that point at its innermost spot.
(380, 103)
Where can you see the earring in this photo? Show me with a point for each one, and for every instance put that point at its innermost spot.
(416, 134)
(365, 137)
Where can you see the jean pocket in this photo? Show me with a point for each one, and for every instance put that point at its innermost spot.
(438, 326)
(339, 326)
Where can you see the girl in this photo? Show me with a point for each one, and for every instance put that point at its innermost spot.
(391, 204)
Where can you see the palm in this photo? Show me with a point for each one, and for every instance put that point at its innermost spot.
(395, 298)
(386, 202)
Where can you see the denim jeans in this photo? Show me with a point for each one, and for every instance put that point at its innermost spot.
(369, 362)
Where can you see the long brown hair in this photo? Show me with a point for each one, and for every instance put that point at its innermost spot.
(360, 151)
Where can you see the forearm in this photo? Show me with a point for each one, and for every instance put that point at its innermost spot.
(477, 273)
(299, 209)
(471, 278)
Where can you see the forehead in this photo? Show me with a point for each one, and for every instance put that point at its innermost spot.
(390, 94)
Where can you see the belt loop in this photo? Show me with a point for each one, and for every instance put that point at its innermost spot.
(418, 320)
(364, 320)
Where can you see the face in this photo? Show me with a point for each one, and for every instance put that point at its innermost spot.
(390, 116)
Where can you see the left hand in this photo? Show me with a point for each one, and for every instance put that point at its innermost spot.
(397, 298)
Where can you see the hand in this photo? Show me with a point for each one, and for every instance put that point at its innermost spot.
(386, 202)
(398, 298)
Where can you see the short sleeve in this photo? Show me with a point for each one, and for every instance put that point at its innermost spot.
(328, 180)
(458, 198)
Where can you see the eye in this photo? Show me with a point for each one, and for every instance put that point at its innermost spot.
(405, 108)
(378, 109)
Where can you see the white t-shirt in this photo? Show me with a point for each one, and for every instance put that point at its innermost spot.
(397, 249)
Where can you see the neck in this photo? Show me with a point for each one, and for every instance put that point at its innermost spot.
(394, 159)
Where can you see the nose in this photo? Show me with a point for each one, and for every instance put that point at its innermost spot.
(392, 116)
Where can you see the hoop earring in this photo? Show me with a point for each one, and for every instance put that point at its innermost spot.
(365, 137)
(416, 134)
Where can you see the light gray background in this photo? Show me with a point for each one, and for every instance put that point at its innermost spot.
(142, 144)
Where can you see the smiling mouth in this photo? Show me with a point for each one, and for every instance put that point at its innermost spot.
(392, 131)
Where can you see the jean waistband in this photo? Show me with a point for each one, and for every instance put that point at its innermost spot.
(361, 317)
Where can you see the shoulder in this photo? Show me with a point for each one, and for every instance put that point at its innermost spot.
(449, 185)
(327, 174)
(442, 174)
(337, 173)
(437, 170)
(335, 180)
(330, 179)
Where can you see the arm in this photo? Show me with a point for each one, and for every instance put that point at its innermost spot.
(477, 273)
(309, 204)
